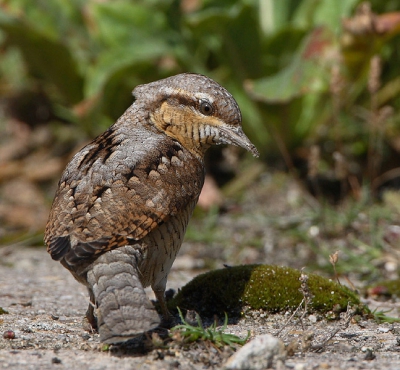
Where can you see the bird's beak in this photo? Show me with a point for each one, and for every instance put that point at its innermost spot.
(236, 136)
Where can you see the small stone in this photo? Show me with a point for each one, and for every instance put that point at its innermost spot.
(55, 360)
(191, 317)
(9, 334)
(312, 318)
(158, 355)
(369, 356)
(174, 364)
(391, 266)
(260, 353)
(85, 336)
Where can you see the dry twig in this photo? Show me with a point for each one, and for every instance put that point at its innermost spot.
(348, 316)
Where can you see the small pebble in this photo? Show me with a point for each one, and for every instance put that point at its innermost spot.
(9, 334)
(175, 364)
(258, 354)
(55, 360)
(369, 356)
(312, 318)
(85, 336)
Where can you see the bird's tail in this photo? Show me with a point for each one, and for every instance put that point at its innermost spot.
(123, 309)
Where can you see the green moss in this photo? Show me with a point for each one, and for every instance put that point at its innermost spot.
(272, 288)
(3, 311)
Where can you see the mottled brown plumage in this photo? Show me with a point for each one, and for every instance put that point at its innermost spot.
(124, 201)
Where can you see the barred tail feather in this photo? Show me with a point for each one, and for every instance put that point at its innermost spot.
(123, 309)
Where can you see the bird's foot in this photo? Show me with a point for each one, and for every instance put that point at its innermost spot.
(89, 322)
(168, 321)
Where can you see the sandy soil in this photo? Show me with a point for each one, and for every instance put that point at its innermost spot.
(45, 309)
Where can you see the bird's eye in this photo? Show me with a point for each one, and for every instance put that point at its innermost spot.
(206, 108)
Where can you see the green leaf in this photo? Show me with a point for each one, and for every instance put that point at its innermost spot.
(45, 58)
(309, 72)
(55, 18)
(231, 34)
(252, 120)
(118, 59)
(217, 336)
(129, 35)
(122, 23)
(276, 15)
(311, 13)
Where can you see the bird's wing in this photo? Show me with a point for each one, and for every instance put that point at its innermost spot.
(106, 203)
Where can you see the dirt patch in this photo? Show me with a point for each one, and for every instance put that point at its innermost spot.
(45, 308)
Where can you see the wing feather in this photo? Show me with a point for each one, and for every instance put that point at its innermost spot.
(101, 205)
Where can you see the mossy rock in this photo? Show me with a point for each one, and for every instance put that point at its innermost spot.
(271, 288)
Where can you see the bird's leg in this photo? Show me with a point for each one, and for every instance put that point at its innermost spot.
(167, 318)
(90, 311)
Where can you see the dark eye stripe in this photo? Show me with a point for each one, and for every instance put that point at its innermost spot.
(204, 106)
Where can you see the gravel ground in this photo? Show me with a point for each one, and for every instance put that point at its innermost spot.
(45, 309)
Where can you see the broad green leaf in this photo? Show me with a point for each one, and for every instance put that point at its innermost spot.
(45, 58)
(231, 34)
(279, 49)
(123, 22)
(121, 58)
(62, 21)
(242, 42)
(253, 123)
(312, 13)
(209, 19)
(330, 13)
(52, 18)
(308, 72)
(313, 110)
(276, 15)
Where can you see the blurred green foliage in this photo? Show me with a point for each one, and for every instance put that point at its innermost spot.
(299, 73)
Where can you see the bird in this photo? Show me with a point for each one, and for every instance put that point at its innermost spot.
(123, 202)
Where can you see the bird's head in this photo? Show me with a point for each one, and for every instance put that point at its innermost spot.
(194, 110)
